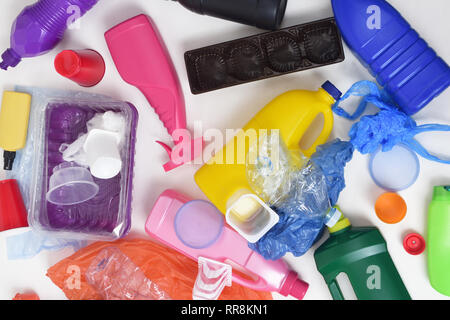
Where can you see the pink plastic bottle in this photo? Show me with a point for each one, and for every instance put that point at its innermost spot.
(196, 229)
(143, 61)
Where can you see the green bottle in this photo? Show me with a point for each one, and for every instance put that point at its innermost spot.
(361, 253)
(438, 241)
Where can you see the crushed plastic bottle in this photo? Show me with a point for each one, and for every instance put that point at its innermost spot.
(116, 277)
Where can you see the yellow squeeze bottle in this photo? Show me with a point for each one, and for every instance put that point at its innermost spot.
(14, 116)
(292, 113)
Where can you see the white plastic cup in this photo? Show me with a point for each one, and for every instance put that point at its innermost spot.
(71, 184)
(102, 153)
(250, 216)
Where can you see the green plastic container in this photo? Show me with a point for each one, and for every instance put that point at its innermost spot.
(438, 241)
(360, 253)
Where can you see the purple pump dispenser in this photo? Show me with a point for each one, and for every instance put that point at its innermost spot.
(40, 27)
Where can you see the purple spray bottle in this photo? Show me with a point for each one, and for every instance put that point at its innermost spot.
(40, 26)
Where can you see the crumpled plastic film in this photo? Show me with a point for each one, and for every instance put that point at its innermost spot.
(28, 244)
(300, 198)
(212, 278)
(332, 158)
(171, 271)
(116, 277)
(387, 128)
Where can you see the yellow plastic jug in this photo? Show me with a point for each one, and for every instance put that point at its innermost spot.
(223, 179)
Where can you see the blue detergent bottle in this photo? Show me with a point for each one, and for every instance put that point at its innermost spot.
(402, 62)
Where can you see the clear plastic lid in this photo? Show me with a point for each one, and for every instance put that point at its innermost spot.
(394, 170)
(198, 224)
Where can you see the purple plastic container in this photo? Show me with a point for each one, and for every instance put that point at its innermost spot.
(40, 27)
(107, 216)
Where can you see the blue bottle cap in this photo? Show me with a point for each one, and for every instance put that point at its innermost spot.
(332, 90)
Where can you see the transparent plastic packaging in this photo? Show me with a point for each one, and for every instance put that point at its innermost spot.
(297, 190)
(270, 166)
(116, 277)
(59, 118)
(28, 244)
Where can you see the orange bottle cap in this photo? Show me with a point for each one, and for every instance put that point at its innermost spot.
(390, 208)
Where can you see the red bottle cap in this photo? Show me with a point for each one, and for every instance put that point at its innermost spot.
(85, 67)
(12, 209)
(414, 244)
(26, 296)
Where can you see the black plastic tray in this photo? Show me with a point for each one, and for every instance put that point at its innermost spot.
(263, 56)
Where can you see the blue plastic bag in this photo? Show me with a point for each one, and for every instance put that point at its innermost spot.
(332, 158)
(387, 128)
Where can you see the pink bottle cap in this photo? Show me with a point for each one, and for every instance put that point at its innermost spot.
(85, 67)
(414, 244)
(294, 286)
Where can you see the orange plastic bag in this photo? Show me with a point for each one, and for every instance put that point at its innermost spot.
(171, 271)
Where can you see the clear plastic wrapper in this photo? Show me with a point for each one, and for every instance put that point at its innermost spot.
(28, 244)
(116, 277)
(58, 118)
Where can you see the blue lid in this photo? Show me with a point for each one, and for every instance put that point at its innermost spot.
(394, 53)
(394, 170)
(332, 90)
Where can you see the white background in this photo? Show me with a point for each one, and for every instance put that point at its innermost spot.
(232, 108)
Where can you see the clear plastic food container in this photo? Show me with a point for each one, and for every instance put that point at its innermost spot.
(60, 120)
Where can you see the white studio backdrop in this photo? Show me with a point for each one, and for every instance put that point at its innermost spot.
(231, 108)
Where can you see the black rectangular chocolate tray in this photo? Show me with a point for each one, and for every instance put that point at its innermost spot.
(263, 56)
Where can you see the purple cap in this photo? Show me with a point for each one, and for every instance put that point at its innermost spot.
(10, 59)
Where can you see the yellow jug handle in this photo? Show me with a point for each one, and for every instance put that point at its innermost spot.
(324, 135)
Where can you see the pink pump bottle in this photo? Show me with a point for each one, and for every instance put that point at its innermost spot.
(183, 224)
